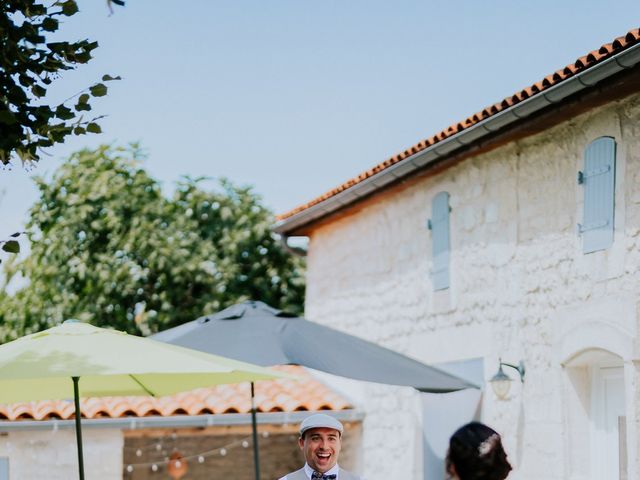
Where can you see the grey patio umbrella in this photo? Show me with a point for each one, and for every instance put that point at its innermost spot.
(257, 333)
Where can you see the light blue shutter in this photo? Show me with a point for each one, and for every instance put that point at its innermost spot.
(439, 225)
(598, 179)
(4, 468)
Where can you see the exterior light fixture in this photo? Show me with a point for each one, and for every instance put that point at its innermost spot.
(501, 382)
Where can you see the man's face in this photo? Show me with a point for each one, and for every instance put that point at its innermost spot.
(321, 447)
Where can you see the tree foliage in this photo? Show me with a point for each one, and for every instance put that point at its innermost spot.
(29, 64)
(107, 247)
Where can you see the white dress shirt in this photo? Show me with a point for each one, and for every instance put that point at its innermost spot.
(309, 471)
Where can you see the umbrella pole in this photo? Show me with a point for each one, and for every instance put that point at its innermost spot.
(76, 399)
(254, 428)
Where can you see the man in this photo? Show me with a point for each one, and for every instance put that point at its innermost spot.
(320, 441)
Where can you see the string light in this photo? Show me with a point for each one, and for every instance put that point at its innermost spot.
(149, 446)
(200, 457)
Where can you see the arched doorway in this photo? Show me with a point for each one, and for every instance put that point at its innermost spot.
(596, 415)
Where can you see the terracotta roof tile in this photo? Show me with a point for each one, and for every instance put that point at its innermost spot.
(271, 396)
(592, 58)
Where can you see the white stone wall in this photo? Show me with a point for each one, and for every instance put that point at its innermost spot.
(52, 454)
(521, 288)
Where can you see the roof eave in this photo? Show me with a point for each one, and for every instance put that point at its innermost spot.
(178, 421)
(519, 112)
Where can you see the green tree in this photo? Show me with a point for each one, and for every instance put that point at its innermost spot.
(107, 247)
(29, 64)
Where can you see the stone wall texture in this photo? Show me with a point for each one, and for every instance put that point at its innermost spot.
(52, 455)
(521, 289)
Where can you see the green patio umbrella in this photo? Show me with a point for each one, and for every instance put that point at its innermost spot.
(77, 357)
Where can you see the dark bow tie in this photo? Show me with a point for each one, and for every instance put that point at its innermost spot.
(320, 476)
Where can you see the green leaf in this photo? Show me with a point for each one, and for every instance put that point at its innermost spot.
(38, 91)
(79, 131)
(83, 104)
(98, 90)
(69, 8)
(108, 78)
(25, 80)
(11, 246)
(94, 128)
(64, 113)
(35, 10)
(50, 24)
(16, 234)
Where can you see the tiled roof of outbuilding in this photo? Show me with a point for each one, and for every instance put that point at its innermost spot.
(581, 64)
(282, 395)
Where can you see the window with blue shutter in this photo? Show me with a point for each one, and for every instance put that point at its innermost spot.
(598, 180)
(439, 226)
(4, 468)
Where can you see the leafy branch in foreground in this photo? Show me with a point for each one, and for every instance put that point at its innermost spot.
(29, 64)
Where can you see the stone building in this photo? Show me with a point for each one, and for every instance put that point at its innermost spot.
(514, 234)
(201, 434)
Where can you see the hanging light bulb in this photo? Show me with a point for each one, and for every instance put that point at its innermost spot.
(154, 467)
(129, 468)
(265, 434)
(200, 459)
(223, 451)
(138, 453)
(159, 447)
(177, 466)
(245, 444)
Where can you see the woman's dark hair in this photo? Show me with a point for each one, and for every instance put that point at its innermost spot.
(476, 453)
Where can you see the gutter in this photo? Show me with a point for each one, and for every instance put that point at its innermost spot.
(177, 421)
(297, 251)
(555, 94)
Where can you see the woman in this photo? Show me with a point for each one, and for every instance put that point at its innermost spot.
(476, 453)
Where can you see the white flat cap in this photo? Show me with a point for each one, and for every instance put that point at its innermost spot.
(320, 420)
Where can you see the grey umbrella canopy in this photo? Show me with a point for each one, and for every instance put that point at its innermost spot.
(257, 333)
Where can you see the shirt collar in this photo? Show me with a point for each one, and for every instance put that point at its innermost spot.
(309, 471)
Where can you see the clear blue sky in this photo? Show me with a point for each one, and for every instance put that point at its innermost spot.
(295, 97)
